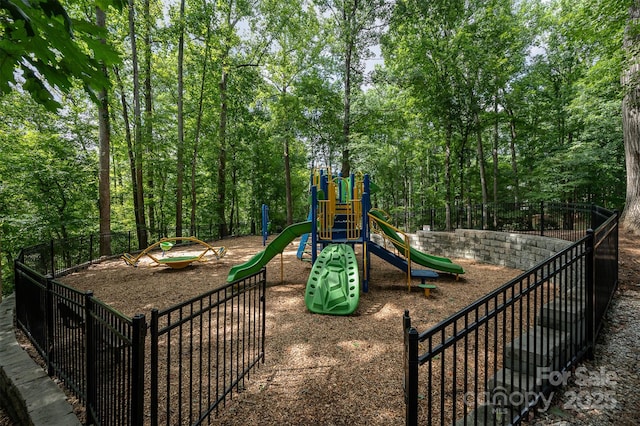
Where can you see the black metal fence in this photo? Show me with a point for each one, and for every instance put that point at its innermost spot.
(494, 360)
(202, 349)
(95, 351)
(500, 357)
(568, 221)
(60, 257)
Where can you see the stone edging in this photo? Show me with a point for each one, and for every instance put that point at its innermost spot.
(28, 394)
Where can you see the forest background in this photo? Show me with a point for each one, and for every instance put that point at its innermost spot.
(159, 117)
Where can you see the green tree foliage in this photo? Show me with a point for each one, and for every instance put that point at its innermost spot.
(42, 50)
(472, 102)
(48, 179)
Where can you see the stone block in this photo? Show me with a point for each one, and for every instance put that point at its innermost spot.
(539, 347)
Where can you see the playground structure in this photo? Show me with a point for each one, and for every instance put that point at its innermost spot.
(174, 262)
(341, 215)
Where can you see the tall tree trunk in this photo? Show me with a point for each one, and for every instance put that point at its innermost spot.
(483, 175)
(141, 227)
(464, 164)
(461, 165)
(234, 194)
(222, 157)
(287, 180)
(129, 140)
(148, 112)
(631, 122)
(348, 22)
(514, 159)
(494, 156)
(180, 150)
(346, 123)
(196, 139)
(447, 176)
(104, 181)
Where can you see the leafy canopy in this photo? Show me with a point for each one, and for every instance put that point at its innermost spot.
(43, 49)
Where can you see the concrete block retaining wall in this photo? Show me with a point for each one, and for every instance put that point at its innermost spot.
(518, 251)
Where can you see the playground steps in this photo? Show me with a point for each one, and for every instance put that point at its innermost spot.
(340, 232)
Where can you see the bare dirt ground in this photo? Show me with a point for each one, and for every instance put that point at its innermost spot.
(347, 370)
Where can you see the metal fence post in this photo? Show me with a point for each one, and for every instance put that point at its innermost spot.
(90, 249)
(154, 366)
(432, 221)
(263, 301)
(410, 370)
(52, 259)
(49, 326)
(90, 358)
(590, 293)
(139, 333)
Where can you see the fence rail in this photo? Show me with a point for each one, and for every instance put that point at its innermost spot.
(60, 257)
(495, 360)
(564, 220)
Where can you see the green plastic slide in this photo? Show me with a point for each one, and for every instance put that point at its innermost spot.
(334, 283)
(437, 263)
(276, 246)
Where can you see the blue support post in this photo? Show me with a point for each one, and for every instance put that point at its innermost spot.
(314, 223)
(366, 205)
(265, 224)
(352, 183)
(324, 185)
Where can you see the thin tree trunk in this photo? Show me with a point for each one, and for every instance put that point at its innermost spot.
(196, 141)
(287, 180)
(141, 227)
(234, 194)
(346, 124)
(148, 113)
(104, 181)
(222, 157)
(347, 21)
(128, 138)
(483, 176)
(514, 159)
(494, 156)
(447, 176)
(180, 150)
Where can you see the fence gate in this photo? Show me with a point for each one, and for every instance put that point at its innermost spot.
(202, 349)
